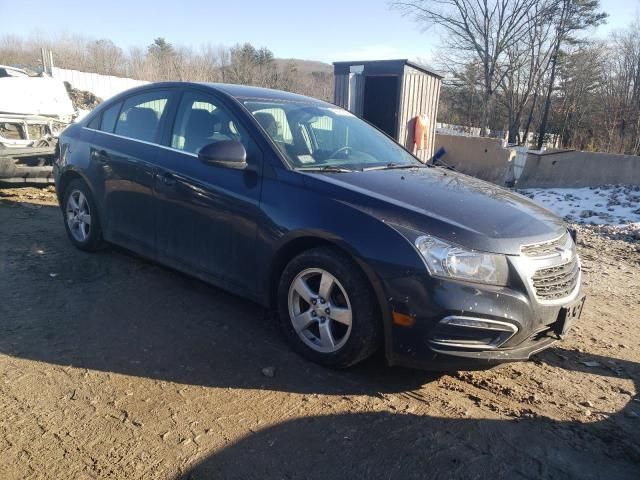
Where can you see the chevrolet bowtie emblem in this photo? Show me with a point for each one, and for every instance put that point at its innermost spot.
(565, 254)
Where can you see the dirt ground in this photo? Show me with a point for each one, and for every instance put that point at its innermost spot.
(114, 367)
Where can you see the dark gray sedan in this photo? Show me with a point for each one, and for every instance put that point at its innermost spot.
(302, 207)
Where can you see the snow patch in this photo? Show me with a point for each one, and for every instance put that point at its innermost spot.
(615, 205)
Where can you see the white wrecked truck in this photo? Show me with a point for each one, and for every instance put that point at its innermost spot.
(33, 112)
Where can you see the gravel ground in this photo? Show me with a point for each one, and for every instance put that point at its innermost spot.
(114, 367)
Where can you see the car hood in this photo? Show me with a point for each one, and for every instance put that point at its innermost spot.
(449, 205)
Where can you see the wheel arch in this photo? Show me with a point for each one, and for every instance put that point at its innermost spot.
(304, 242)
(65, 179)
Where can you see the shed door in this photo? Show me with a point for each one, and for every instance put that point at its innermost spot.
(356, 87)
(381, 102)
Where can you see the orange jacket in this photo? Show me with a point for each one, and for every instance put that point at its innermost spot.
(420, 133)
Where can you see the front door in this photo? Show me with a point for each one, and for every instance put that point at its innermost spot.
(206, 215)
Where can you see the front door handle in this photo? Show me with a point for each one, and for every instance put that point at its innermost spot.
(168, 179)
(100, 155)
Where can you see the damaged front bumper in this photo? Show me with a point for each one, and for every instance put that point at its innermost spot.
(27, 165)
(464, 326)
(27, 147)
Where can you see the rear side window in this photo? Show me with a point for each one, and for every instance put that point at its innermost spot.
(140, 116)
(95, 122)
(109, 117)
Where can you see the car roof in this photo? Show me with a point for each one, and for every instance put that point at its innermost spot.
(245, 92)
(239, 92)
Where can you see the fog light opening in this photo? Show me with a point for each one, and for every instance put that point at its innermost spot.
(473, 333)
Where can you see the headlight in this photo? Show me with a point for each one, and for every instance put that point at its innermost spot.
(445, 260)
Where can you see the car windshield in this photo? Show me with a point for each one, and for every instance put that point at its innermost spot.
(328, 138)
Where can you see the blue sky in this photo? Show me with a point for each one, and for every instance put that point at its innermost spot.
(325, 30)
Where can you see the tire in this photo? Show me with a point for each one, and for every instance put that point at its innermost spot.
(77, 203)
(344, 345)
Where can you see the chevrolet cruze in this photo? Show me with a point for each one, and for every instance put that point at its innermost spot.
(302, 207)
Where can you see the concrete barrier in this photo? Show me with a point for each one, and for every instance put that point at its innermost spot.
(573, 169)
(484, 158)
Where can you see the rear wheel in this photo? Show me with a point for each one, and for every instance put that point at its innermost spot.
(327, 309)
(81, 216)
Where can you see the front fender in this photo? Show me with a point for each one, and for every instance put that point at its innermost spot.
(293, 212)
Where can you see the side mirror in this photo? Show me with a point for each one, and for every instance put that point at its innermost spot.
(226, 153)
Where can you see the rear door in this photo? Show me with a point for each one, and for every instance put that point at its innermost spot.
(125, 150)
(206, 217)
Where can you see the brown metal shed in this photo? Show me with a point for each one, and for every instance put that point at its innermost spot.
(390, 94)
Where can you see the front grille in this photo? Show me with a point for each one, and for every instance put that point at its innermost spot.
(545, 249)
(557, 282)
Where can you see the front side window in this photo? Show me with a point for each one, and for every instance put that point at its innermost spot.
(201, 120)
(317, 136)
(322, 127)
(140, 116)
(274, 120)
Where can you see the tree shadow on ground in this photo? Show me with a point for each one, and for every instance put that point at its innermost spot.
(408, 446)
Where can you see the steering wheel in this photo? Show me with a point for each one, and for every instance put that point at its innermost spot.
(345, 149)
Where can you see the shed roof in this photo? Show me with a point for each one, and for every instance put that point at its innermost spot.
(384, 66)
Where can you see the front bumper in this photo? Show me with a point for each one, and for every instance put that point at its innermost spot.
(429, 300)
(27, 165)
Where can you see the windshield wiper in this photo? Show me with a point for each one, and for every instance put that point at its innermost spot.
(326, 168)
(390, 166)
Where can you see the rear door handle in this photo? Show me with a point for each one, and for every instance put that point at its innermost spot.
(168, 179)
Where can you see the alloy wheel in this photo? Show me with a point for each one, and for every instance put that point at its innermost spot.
(78, 216)
(320, 310)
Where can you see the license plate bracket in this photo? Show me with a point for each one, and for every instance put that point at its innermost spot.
(568, 315)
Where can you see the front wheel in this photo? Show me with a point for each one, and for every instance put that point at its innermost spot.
(327, 309)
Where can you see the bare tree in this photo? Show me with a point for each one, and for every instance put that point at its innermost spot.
(481, 30)
(105, 57)
(163, 58)
(572, 16)
(461, 96)
(627, 45)
(581, 80)
(527, 62)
